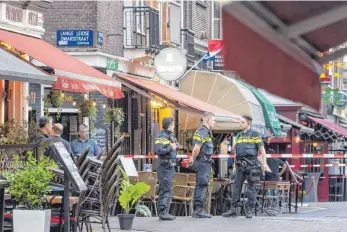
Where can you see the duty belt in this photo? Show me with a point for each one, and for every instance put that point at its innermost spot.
(167, 162)
(242, 161)
(206, 158)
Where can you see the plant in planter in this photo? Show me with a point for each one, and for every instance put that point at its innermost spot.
(56, 98)
(128, 199)
(87, 108)
(29, 186)
(114, 115)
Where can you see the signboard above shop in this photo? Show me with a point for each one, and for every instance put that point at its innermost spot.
(75, 38)
(13, 18)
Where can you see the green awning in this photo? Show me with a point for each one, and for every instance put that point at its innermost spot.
(269, 111)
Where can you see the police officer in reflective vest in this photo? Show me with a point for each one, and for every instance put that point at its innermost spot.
(247, 166)
(202, 163)
(166, 147)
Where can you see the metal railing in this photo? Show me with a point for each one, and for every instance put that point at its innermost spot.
(141, 27)
(8, 150)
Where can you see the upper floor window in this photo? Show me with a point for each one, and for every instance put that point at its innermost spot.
(216, 20)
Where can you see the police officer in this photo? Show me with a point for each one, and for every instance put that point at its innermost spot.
(247, 166)
(202, 163)
(166, 147)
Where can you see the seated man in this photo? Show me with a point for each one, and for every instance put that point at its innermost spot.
(80, 144)
(275, 174)
(57, 131)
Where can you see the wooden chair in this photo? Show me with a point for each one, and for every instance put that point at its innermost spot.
(180, 179)
(151, 179)
(183, 196)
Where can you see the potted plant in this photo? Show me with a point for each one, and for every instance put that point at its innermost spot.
(114, 115)
(29, 186)
(128, 199)
(55, 97)
(87, 108)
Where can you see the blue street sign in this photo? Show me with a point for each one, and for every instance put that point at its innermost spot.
(100, 38)
(74, 38)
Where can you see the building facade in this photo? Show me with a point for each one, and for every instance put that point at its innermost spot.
(126, 37)
(25, 18)
(99, 23)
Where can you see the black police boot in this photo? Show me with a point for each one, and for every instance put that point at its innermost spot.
(230, 213)
(249, 211)
(166, 217)
(200, 213)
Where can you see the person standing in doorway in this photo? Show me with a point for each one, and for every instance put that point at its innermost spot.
(201, 160)
(80, 144)
(166, 148)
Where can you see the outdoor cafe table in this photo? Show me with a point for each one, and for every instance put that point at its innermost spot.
(57, 200)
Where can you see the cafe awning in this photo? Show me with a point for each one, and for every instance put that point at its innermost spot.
(15, 69)
(328, 129)
(269, 111)
(280, 46)
(303, 129)
(171, 97)
(225, 93)
(72, 74)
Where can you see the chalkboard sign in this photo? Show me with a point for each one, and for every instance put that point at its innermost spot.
(100, 137)
(69, 167)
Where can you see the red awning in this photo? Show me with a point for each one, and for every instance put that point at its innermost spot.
(277, 45)
(330, 125)
(73, 75)
(176, 96)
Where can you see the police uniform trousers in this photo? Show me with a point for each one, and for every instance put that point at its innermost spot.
(203, 170)
(165, 175)
(243, 173)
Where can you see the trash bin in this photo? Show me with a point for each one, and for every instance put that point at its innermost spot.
(310, 187)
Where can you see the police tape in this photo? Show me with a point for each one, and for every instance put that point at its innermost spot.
(324, 177)
(215, 156)
(317, 165)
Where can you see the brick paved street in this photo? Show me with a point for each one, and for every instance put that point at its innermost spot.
(317, 217)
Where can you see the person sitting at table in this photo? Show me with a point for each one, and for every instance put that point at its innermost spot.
(57, 131)
(80, 144)
(274, 164)
(275, 174)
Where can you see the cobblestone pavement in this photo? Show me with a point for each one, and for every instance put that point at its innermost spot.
(317, 217)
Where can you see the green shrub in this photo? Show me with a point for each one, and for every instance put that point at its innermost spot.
(131, 193)
(29, 185)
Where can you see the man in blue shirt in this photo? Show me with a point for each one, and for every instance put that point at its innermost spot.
(80, 144)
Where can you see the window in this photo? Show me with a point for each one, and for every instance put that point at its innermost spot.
(216, 20)
(140, 17)
(175, 23)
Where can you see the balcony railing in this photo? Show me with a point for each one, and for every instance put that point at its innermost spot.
(141, 27)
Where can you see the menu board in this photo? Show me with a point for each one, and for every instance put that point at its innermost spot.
(73, 123)
(100, 137)
(69, 167)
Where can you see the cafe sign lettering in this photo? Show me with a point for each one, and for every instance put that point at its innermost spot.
(112, 64)
(12, 15)
(335, 97)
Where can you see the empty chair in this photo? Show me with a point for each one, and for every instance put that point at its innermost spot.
(151, 179)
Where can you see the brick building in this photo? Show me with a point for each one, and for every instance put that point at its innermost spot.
(126, 37)
(104, 52)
